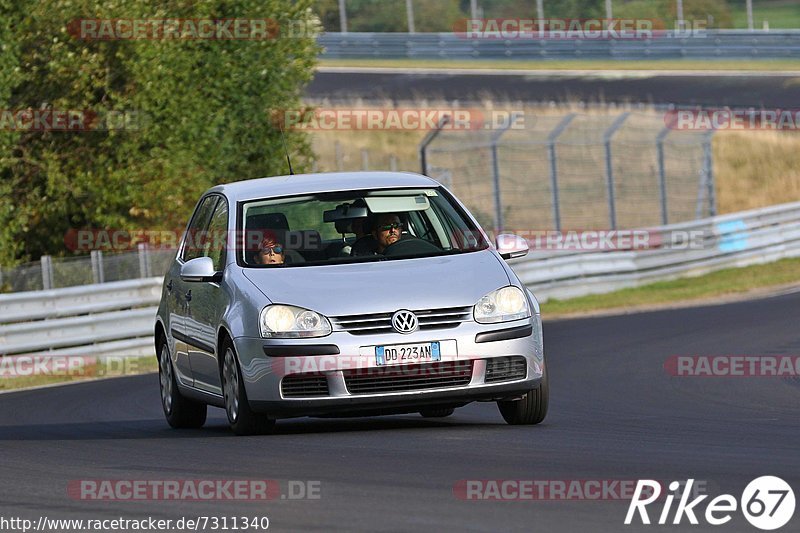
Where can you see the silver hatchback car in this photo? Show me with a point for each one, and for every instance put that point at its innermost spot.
(344, 294)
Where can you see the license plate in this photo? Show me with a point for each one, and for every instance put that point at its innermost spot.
(404, 354)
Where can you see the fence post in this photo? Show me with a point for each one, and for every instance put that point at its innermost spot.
(342, 17)
(423, 146)
(708, 166)
(498, 204)
(144, 260)
(337, 147)
(393, 162)
(364, 159)
(551, 153)
(47, 272)
(98, 276)
(662, 174)
(607, 136)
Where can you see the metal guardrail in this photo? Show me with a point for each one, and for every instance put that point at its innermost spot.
(724, 241)
(105, 319)
(707, 44)
(117, 318)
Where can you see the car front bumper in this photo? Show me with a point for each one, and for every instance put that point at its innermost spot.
(351, 382)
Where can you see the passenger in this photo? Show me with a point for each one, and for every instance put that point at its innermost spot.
(387, 230)
(365, 243)
(270, 252)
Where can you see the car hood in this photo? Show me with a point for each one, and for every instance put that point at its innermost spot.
(384, 286)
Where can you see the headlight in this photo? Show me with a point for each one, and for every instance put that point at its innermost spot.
(289, 322)
(502, 305)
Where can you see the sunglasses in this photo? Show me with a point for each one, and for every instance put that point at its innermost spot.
(390, 227)
(272, 249)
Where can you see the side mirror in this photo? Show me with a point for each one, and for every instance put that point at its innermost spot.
(510, 246)
(200, 269)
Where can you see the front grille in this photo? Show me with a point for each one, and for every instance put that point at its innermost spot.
(445, 318)
(304, 386)
(506, 369)
(408, 378)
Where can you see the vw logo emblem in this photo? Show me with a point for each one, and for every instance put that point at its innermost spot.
(404, 321)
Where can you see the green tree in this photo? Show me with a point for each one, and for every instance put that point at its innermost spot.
(201, 108)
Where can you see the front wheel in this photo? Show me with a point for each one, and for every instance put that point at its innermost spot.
(242, 419)
(531, 408)
(180, 412)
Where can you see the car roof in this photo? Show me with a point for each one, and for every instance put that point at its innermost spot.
(320, 182)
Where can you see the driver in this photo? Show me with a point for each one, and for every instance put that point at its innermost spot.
(387, 230)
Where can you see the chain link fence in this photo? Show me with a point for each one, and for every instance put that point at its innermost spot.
(576, 171)
(58, 272)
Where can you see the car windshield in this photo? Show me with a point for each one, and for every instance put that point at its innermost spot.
(355, 226)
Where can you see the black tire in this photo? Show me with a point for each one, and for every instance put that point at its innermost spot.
(531, 408)
(437, 412)
(180, 412)
(242, 419)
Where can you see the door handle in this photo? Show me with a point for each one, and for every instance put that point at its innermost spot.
(189, 296)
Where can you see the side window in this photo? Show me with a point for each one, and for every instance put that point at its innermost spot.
(217, 240)
(193, 243)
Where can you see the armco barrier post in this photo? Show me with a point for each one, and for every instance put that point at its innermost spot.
(144, 260)
(551, 154)
(47, 272)
(98, 275)
(607, 136)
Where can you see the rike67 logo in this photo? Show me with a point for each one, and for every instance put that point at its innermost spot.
(767, 503)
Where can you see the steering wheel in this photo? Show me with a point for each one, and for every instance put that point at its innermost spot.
(410, 246)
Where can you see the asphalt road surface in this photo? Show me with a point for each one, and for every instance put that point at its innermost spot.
(615, 415)
(771, 90)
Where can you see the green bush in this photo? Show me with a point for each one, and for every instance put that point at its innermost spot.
(201, 110)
